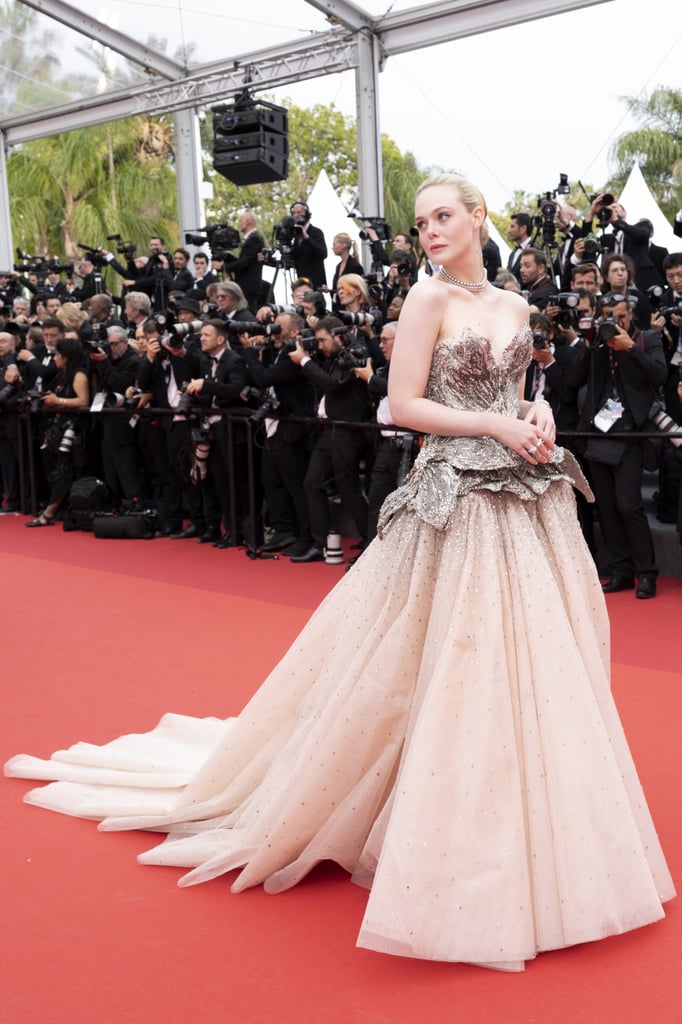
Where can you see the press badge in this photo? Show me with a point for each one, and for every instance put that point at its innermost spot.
(610, 412)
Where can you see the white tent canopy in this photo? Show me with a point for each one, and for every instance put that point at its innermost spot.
(638, 202)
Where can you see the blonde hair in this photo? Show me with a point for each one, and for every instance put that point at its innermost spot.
(469, 195)
(355, 283)
(71, 316)
(348, 242)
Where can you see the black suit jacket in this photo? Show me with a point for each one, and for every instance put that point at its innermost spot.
(293, 389)
(346, 396)
(642, 370)
(309, 255)
(560, 389)
(540, 293)
(247, 269)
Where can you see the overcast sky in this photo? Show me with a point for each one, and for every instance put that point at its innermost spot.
(511, 109)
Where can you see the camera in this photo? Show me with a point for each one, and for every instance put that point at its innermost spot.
(94, 253)
(568, 308)
(353, 354)
(665, 423)
(94, 336)
(668, 311)
(268, 403)
(603, 213)
(10, 390)
(539, 339)
(380, 226)
(221, 238)
(187, 404)
(253, 327)
(591, 250)
(40, 266)
(372, 319)
(126, 249)
(68, 437)
(607, 329)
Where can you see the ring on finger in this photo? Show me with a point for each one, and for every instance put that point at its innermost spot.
(532, 450)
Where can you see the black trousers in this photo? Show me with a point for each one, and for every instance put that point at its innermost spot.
(624, 525)
(384, 479)
(119, 459)
(225, 489)
(335, 457)
(283, 470)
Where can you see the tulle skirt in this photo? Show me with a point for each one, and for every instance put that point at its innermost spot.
(443, 728)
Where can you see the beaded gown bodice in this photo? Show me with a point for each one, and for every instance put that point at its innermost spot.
(465, 375)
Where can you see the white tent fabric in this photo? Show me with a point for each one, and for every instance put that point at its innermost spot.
(638, 202)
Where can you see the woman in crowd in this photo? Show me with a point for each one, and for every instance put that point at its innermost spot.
(345, 248)
(63, 442)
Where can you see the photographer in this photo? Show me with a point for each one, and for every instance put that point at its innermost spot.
(117, 367)
(150, 273)
(136, 310)
(620, 238)
(232, 306)
(166, 368)
(63, 438)
(622, 368)
(400, 277)
(535, 278)
(337, 454)
(246, 269)
(10, 385)
(308, 247)
(549, 378)
(520, 227)
(90, 282)
(618, 274)
(353, 309)
(668, 320)
(224, 486)
(285, 448)
(395, 449)
(203, 276)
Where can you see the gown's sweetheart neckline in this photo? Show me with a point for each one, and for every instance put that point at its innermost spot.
(471, 333)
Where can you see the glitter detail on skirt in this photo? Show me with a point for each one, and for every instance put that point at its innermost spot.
(455, 746)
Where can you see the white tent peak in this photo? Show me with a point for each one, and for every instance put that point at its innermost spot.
(639, 202)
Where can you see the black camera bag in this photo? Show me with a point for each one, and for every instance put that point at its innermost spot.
(88, 497)
(140, 526)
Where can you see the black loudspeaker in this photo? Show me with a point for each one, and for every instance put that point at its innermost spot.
(250, 142)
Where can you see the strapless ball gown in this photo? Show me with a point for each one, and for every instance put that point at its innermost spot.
(443, 727)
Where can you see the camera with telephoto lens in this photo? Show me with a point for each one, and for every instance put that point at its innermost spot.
(268, 402)
(94, 336)
(252, 328)
(539, 339)
(131, 400)
(10, 391)
(371, 319)
(354, 353)
(591, 250)
(68, 437)
(94, 253)
(668, 311)
(378, 224)
(306, 339)
(220, 237)
(188, 403)
(666, 424)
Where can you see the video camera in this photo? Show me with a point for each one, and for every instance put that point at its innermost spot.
(548, 207)
(220, 237)
(126, 249)
(378, 224)
(40, 265)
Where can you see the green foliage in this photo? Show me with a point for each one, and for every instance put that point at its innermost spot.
(656, 146)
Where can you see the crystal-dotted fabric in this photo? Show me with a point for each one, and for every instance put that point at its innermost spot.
(443, 727)
(465, 376)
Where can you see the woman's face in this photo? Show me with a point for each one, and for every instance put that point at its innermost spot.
(347, 296)
(339, 246)
(447, 230)
(618, 275)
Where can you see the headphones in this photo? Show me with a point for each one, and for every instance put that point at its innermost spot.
(299, 202)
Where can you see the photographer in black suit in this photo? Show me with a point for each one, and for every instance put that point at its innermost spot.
(246, 269)
(285, 448)
(309, 248)
(224, 487)
(337, 454)
(622, 367)
(117, 366)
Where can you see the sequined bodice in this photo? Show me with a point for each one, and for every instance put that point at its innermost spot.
(465, 375)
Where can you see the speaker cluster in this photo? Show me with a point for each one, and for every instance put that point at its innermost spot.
(250, 141)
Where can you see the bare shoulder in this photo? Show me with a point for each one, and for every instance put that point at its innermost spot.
(511, 305)
(426, 292)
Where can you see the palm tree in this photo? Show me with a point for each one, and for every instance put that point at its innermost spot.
(656, 146)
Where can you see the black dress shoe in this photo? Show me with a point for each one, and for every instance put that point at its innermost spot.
(223, 542)
(165, 531)
(209, 536)
(646, 587)
(616, 583)
(278, 541)
(189, 531)
(311, 555)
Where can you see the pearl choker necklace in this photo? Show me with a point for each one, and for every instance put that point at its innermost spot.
(477, 287)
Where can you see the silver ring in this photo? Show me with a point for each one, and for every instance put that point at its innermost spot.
(539, 441)
(532, 450)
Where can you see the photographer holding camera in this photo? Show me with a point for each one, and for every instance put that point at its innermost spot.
(286, 448)
(338, 451)
(621, 238)
(308, 247)
(622, 367)
(63, 437)
(117, 366)
(535, 278)
(224, 485)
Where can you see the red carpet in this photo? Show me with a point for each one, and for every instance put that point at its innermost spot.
(100, 638)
